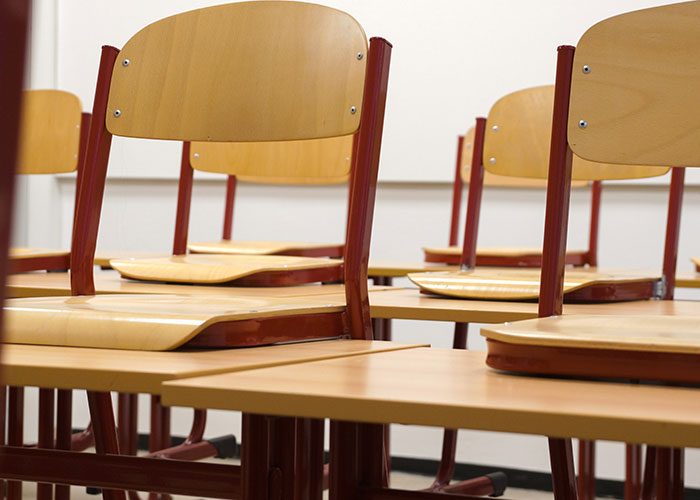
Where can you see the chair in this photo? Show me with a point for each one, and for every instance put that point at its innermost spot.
(324, 161)
(255, 263)
(619, 99)
(53, 135)
(514, 143)
(505, 256)
(194, 77)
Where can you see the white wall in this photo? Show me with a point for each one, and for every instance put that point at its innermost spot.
(451, 61)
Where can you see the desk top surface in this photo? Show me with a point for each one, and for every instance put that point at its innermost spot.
(453, 389)
(49, 284)
(144, 371)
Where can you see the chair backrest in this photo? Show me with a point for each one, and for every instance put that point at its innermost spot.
(516, 141)
(625, 95)
(243, 72)
(14, 22)
(50, 132)
(320, 161)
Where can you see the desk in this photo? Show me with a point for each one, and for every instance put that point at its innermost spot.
(145, 371)
(58, 284)
(393, 269)
(410, 304)
(453, 389)
(688, 279)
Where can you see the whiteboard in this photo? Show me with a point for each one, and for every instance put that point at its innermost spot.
(451, 61)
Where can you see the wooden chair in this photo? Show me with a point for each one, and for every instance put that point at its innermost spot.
(256, 263)
(53, 135)
(323, 161)
(619, 99)
(509, 146)
(141, 93)
(507, 256)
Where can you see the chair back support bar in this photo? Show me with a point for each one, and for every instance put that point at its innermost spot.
(476, 188)
(558, 193)
(50, 132)
(321, 161)
(457, 187)
(231, 183)
(86, 220)
(363, 189)
(175, 80)
(635, 78)
(516, 141)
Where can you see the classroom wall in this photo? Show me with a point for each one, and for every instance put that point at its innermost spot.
(451, 61)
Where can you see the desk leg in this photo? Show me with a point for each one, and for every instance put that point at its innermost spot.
(586, 471)
(105, 432)
(44, 491)
(64, 412)
(3, 423)
(649, 484)
(15, 434)
(562, 462)
(669, 473)
(633, 471)
(357, 459)
(309, 459)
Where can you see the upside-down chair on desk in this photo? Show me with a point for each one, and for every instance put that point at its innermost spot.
(255, 263)
(53, 135)
(620, 99)
(513, 141)
(193, 77)
(509, 256)
(317, 162)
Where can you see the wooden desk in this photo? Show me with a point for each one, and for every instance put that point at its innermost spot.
(58, 284)
(410, 304)
(145, 371)
(392, 269)
(453, 389)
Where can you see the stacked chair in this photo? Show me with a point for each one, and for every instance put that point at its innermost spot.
(323, 161)
(508, 257)
(53, 135)
(297, 47)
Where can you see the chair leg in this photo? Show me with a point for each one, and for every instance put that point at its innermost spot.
(106, 442)
(309, 468)
(669, 473)
(633, 471)
(64, 412)
(160, 435)
(44, 491)
(562, 462)
(649, 484)
(586, 469)
(15, 434)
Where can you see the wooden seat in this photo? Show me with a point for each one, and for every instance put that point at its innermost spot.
(513, 141)
(258, 270)
(53, 134)
(524, 284)
(155, 323)
(636, 347)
